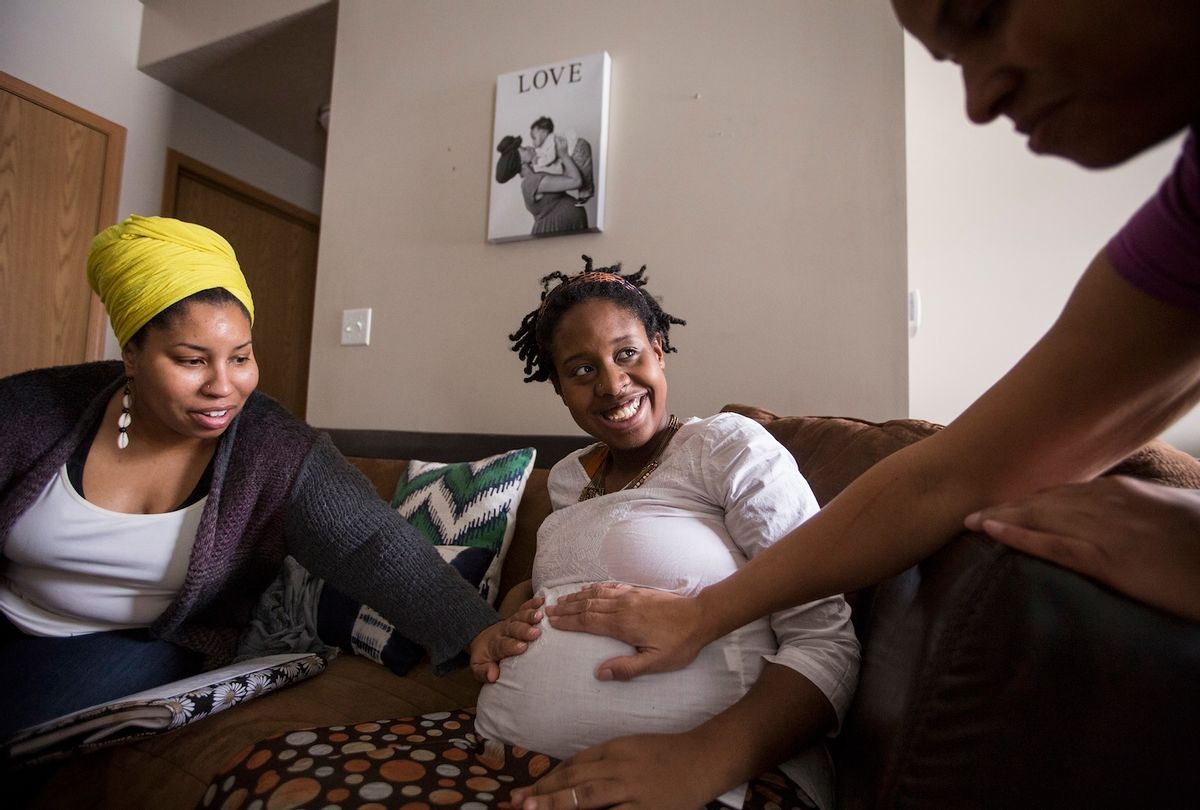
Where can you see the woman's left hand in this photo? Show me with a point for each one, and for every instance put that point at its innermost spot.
(1141, 538)
(667, 630)
(508, 637)
(651, 771)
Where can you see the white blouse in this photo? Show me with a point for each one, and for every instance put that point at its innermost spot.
(71, 567)
(725, 490)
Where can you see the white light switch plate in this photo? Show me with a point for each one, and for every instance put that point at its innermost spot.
(356, 327)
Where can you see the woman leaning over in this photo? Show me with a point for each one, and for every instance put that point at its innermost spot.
(1096, 83)
(145, 504)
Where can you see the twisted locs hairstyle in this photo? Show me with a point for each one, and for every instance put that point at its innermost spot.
(532, 341)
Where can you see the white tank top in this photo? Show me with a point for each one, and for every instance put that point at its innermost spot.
(71, 567)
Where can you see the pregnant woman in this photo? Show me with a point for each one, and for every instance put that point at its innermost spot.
(674, 505)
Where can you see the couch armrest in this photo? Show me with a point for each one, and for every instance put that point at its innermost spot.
(993, 679)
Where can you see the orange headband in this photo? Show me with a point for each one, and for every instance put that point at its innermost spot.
(590, 275)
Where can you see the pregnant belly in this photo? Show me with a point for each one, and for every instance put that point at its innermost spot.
(549, 700)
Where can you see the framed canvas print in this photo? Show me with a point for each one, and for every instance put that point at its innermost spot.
(551, 138)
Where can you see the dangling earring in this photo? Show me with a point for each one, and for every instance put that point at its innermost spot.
(125, 419)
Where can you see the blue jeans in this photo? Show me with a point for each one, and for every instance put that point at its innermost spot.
(42, 678)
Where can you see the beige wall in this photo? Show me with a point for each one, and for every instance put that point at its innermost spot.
(86, 53)
(756, 165)
(174, 27)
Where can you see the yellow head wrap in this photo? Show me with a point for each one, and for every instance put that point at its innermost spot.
(144, 264)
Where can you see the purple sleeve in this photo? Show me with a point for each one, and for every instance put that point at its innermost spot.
(1158, 250)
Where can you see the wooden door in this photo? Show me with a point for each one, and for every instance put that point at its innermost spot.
(60, 178)
(276, 245)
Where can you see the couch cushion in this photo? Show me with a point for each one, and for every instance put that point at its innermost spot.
(431, 760)
(468, 511)
(535, 506)
(1160, 463)
(991, 678)
(994, 679)
(832, 451)
(468, 507)
(384, 473)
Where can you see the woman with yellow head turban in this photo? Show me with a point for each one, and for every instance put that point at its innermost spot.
(146, 270)
(145, 504)
(144, 265)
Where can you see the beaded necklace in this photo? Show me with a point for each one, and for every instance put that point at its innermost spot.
(595, 486)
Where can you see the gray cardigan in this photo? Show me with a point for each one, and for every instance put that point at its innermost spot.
(278, 487)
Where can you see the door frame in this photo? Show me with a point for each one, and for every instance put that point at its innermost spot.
(110, 188)
(177, 163)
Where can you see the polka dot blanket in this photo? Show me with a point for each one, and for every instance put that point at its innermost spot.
(417, 763)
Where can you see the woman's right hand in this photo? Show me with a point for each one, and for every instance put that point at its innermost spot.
(668, 630)
(658, 771)
(508, 637)
(1138, 537)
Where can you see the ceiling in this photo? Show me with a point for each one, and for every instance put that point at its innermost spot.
(271, 80)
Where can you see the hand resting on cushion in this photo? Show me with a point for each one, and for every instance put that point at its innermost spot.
(1141, 538)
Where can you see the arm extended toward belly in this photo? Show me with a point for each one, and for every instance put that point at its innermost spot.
(1116, 368)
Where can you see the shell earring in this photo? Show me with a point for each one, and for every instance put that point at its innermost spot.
(125, 419)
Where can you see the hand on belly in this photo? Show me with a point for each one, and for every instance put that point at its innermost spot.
(549, 700)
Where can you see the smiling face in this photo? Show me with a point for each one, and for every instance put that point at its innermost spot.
(1095, 81)
(610, 375)
(192, 376)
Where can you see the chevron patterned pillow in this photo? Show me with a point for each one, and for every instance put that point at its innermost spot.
(468, 510)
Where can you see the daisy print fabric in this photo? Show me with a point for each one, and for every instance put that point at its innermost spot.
(221, 696)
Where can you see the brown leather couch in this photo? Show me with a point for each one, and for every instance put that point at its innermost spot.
(990, 679)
